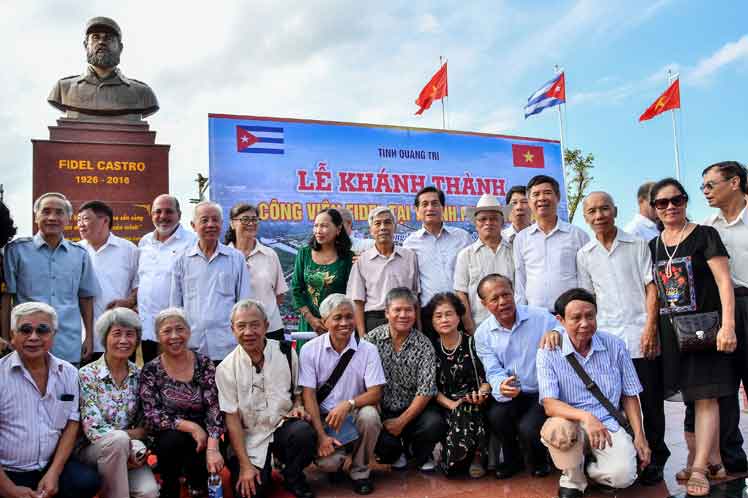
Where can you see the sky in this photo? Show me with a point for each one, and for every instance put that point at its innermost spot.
(367, 61)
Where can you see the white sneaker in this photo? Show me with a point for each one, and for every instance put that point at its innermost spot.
(428, 466)
(401, 463)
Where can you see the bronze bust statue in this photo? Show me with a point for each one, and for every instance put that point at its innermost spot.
(102, 92)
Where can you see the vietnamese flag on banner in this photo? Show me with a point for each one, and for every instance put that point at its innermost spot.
(435, 89)
(668, 100)
(528, 156)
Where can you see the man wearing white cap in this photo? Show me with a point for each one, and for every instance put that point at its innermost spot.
(584, 412)
(489, 254)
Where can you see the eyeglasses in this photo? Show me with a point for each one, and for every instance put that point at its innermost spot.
(710, 185)
(42, 330)
(676, 201)
(246, 220)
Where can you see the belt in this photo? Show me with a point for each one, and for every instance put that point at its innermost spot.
(741, 291)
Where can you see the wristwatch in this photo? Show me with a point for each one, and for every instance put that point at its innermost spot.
(352, 402)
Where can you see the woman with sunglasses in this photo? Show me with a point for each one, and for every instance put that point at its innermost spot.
(692, 276)
(265, 271)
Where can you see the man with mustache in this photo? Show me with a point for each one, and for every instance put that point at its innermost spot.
(102, 91)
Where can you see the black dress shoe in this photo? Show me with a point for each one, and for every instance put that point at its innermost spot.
(299, 489)
(541, 470)
(505, 471)
(569, 493)
(651, 476)
(363, 486)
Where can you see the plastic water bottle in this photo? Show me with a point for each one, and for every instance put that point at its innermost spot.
(215, 486)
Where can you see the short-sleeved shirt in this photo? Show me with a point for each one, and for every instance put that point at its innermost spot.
(608, 364)
(116, 266)
(735, 237)
(319, 358)
(261, 399)
(155, 267)
(546, 264)
(58, 277)
(268, 282)
(373, 275)
(618, 278)
(207, 289)
(475, 262)
(437, 255)
(31, 424)
(410, 372)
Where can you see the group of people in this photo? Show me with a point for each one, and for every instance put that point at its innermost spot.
(532, 345)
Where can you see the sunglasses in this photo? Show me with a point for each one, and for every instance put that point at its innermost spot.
(42, 330)
(676, 201)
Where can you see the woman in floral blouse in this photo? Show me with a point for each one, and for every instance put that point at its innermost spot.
(110, 411)
(180, 407)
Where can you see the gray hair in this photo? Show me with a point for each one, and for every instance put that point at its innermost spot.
(346, 214)
(331, 303)
(168, 313)
(212, 204)
(172, 198)
(379, 210)
(599, 192)
(400, 293)
(30, 308)
(248, 304)
(57, 195)
(124, 317)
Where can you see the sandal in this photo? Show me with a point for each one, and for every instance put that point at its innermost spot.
(717, 472)
(698, 484)
(476, 470)
(683, 474)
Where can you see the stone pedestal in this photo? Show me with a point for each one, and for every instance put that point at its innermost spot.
(118, 163)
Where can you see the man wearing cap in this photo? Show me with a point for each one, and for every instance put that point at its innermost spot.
(379, 269)
(102, 91)
(489, 254)
(577, 419)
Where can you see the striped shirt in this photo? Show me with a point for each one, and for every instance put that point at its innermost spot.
(31, 424)
(608, 364)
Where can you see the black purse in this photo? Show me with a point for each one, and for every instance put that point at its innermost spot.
(696, 332)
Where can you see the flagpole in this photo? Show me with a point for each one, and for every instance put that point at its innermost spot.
(444, 121)
(675, 133)
(561, 131)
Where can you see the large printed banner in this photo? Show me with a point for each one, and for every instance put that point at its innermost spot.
(291, 169)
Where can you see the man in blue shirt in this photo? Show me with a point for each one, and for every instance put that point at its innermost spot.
(577, 419)
(51, 269)
(507, 342)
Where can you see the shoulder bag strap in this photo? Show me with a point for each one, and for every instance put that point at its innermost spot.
(594, 389)
(325, 389)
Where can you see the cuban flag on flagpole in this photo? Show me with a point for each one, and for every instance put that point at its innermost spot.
(551, 94)
(260, 139)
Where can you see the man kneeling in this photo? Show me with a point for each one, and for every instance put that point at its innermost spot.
(342, 378)
(258, 390)
(579, 422)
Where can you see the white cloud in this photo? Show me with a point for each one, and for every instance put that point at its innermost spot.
(727, 54)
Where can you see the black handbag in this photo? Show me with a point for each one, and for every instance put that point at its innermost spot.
(696, 332)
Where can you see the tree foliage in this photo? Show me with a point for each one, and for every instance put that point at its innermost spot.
(578, 177)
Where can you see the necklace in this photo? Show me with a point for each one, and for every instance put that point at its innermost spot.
(450, 354)
(669, 266)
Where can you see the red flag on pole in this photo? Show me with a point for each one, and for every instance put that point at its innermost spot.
(668, 100)
(435, 89)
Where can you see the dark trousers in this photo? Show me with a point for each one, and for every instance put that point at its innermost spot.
(518, 422)
(420, 435)
(653, 407)
(176, 455)
(295, 445)
(374, 319)
(77, 480)
(278, 335)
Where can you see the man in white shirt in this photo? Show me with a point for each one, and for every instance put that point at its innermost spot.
(519, 214)
(208, 279)
(643, 224)
(725, 188)
(436, 246)
(617, 268)
(158, 252)
(115, 262)
(489, 254)
(358, 245)
(545, 253)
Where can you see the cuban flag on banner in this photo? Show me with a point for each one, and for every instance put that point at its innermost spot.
(550, 94)
(259, 139)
